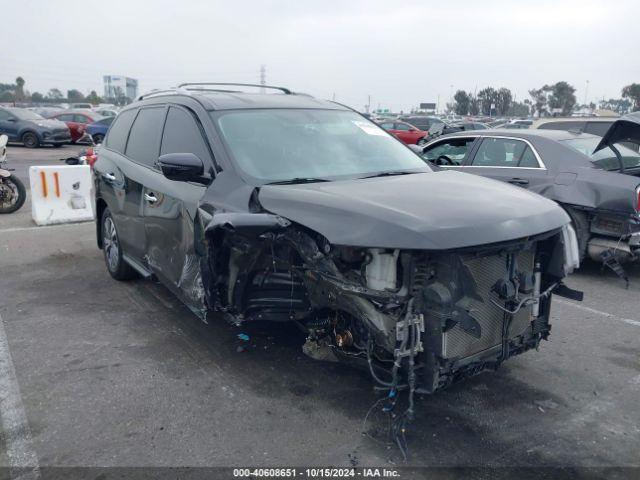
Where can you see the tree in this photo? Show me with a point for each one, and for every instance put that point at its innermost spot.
(503, 101)
(487, 96)
(539, 100)
(463, 100)
(7, 96)
(474, 105)
(517, 109)
(55, 94)
(562, 97)
(37, 97)
(618, 105)
(74, 94)
(19, 90)
(94, 98)
(632, 92)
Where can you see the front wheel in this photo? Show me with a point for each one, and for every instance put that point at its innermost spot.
(98, 138)
(112, 249)
(12, 194)
(30, 140)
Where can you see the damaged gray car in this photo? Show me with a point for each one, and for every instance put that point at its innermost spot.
(282, 207)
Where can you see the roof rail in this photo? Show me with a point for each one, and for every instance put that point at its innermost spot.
(174, 91)
(284, 90)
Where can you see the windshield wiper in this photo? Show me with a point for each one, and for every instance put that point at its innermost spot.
(390, 174)
(298, 180)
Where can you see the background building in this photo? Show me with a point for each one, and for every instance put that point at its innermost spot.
(116, 86)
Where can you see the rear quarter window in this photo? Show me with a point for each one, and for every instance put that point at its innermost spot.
(119, 131)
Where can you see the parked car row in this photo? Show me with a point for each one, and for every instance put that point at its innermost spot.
(52, 127)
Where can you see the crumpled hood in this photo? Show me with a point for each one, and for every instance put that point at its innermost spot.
(432, 211)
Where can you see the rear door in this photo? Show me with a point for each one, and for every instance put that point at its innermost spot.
(170, 208)
(510, 160)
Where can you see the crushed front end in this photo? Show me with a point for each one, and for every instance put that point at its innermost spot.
(418, 320)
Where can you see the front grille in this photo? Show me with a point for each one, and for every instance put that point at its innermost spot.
(486, 271)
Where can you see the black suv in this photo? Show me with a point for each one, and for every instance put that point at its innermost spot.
(283, 207)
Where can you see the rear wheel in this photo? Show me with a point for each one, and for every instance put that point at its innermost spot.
(30, 140)
(12, 194)
(98, 138)
(580, 224)
(118, 268)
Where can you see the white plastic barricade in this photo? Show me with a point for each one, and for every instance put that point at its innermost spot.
(61, 194)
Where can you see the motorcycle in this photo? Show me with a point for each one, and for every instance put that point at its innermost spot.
(12, 191)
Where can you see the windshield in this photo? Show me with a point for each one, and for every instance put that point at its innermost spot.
(605, 158)
(26, 114)
(279, 145)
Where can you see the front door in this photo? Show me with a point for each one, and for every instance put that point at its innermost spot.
(170, 208)
(510, 160)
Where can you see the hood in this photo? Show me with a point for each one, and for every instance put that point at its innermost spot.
(626, 129)
(431, 211)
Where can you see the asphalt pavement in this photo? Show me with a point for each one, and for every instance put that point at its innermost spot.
(95, 372)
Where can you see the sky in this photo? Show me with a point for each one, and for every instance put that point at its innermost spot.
(399, 53)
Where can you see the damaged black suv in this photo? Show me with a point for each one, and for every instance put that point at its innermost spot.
(283, 207)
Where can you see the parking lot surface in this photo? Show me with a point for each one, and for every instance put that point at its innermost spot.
(122, 374)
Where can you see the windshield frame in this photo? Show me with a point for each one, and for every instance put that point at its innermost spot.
(215, 116)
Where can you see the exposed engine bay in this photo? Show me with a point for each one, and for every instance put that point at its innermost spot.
(416, 320)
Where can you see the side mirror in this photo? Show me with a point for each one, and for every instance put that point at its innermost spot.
(182, 167)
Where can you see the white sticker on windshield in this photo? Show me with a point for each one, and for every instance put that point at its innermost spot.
(369, 128)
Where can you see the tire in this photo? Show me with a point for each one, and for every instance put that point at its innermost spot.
(112, 249)
(30, 140)
(580, 223)
(98, 138)
(18, 189)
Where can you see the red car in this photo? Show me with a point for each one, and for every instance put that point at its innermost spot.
(406, 132)
(77, 121)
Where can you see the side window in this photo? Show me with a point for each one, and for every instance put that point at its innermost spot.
(119, 131)
(454, 149)
(403, 127)
(387, 126)
(182, 135)
(66, 117)
(80, 119)
(499, 152)
(528, 159)
(144, 139)
(4, 115)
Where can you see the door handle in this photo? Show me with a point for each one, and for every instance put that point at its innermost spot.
(109, 176)
(150, 197)
(519, 181)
